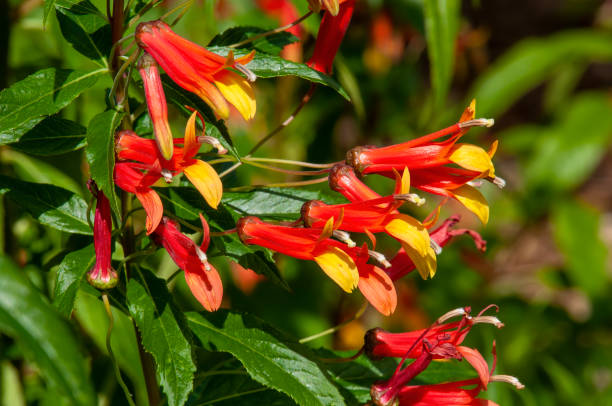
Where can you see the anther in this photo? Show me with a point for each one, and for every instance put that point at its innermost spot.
(410, 197)
(488, 320)
(460, 311)
(512, 380)
(380, 258)
(203, 258)
(167, 175)
(499, 182)
(435, 246)
(478, 122)
(250, 76)
(206, 139)
(344, 237)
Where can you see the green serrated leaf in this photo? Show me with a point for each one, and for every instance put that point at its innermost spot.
(236, 390)
(50, 205)
(31, 100)
(271, 44)
(530, 62)
(269, 357)
(161, 326)
(27, 316)
(101, 153)
(576, 231)
(86, 29)
(441, 28)
(271, 66)
(71, 272)
(52, 136)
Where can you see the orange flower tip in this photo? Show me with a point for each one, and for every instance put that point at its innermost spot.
(411, 197)
(499, 182)
(167, 175)
(478, 122)
(488, 320)
(344, 237)
(512, 380)
(458, 312)
(435, 246)
(250, 76)
(380, 258)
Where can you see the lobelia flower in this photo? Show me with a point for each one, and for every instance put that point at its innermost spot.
(156, 102)
(200, 71)
(428, 161)
(331, 32)
(440, 341)
(380, 215)
(141, 165)
(286, 13)
(202, 278)
(102, 275)
(303, 243)
(401, 264)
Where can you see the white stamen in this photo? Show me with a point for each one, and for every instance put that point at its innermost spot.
(478, 122)
(475, 183)
(435, 246)
(214, 142)
(344, 237)
(203, 258)
(508, 379)
(412, 198)
(250, 76)
(460, 311)
(167, 175)
(499, 182)
(488, 320)
(380, 258)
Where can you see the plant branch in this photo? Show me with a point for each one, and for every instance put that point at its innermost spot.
(274, 31)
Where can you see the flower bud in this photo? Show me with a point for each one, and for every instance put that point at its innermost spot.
(102, 275)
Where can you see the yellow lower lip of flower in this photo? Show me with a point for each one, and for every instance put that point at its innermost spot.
(416, 242)
(339, 266)
(473, 200)
(238, 91)
(206, 180)
(472, 157)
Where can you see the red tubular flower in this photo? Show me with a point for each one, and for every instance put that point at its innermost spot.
(401, 264)
(102, 275)
(303, 243)
(198, 70)
(286, 13)
(202, 278)
(331, 32)
(141, 165)
(380, 343)
(156, 102)
(342, 179)
(428, 163)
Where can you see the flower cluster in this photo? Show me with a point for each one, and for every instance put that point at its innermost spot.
(441, 341)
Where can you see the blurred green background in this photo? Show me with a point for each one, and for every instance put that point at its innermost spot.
(542, 69)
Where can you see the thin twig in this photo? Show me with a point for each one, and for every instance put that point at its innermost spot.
(290, 162)
(336, 328)
(274, 31)
(287, 184)
(287, 171)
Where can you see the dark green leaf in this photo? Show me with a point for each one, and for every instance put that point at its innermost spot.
(270, 66)
(441, 28)
(41, 94)
(85, 28)
(236, 390)
(161, 326)
(187, 203)
(576, 230)
(52, 136)
(271, 44)
(27, 316)
(71, 272)
(51, 205)
(101, 153)
(269, 357)
(530, 62)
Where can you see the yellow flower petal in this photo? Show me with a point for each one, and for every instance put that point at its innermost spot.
(402, 183)
(473, 200)
(472, 157)
(205, 179)
(415, 241)
(339, 266)
(214, 98)
(328, 229)
(469, 113)
(333, 6)
(190, 132)
(237, 91)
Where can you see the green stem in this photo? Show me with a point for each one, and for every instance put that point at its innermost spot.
(274, 31)
(336, 328)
